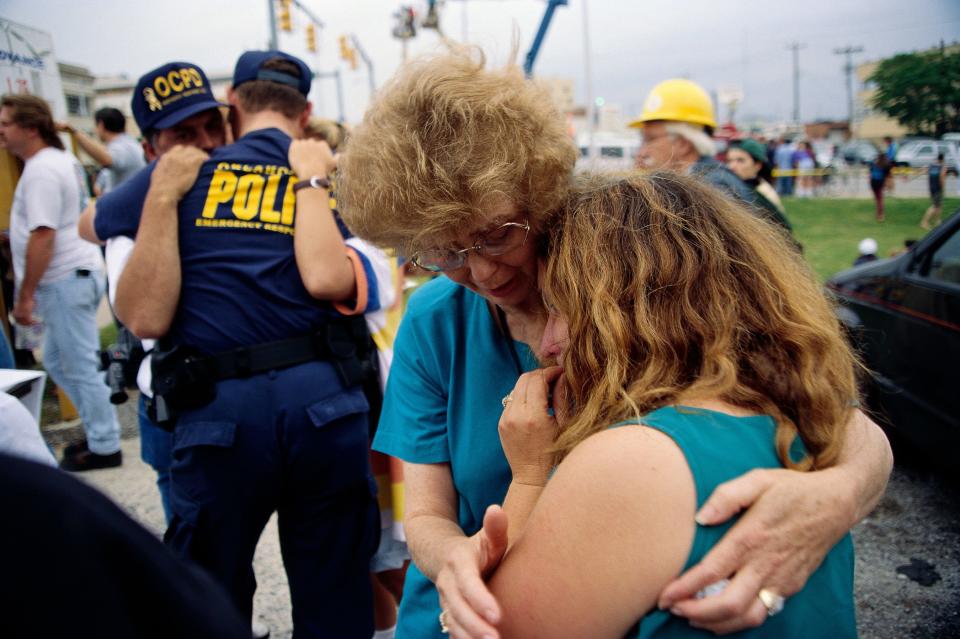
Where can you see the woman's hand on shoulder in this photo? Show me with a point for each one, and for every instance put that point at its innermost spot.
(792, 520)
(527, 429)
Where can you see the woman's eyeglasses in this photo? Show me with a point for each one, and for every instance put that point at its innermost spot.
(498, 241)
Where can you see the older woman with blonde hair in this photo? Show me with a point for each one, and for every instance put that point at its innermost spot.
(676, 316)
(462, 168)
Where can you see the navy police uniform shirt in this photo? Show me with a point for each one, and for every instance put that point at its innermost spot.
(240, 282)
(118, 212)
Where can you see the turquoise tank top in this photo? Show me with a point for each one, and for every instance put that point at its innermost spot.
(719, 447)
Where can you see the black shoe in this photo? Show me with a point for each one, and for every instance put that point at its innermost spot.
(75, 448)
(86, 460)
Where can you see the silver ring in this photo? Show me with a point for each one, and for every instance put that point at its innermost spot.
(771, 601)
(443, 622)
(506, 399)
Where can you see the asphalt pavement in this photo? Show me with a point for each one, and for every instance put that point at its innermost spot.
(907, 552)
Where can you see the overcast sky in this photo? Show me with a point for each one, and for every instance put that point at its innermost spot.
(633, 43)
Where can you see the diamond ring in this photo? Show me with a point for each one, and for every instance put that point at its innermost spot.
(771, 601)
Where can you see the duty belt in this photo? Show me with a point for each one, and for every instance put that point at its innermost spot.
(184, 378)
(244, 361)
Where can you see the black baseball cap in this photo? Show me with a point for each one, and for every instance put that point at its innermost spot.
(250, 67)
(170, 94)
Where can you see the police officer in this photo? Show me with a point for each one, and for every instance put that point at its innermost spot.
(193, 119)
(166, 118)
(676, 126)
(258, 358)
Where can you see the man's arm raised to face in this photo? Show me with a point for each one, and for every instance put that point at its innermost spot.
(149, 289)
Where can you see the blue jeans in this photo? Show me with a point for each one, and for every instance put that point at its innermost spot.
(6, 352)
(69, 311)
(156, 449)
(785, 185)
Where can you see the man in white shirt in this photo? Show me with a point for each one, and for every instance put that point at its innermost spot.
(59, 277)
(121, 157)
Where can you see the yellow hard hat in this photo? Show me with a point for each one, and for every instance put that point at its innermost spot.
(677, 100)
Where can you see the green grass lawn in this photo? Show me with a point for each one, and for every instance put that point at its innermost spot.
(830, 229)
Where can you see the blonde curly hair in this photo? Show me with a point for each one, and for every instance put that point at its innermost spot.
(330, 131)
(445, 140)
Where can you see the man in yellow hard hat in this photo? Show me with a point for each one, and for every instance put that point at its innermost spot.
(676, 128)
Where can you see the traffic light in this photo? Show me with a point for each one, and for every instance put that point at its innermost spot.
(284, 17)
(432, 19)
(405, 27)
(311, 38)
(347, 52)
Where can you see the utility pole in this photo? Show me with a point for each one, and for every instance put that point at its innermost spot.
(588, 81)
(848, 51)
(795, 47)
(366, 61)
(273, 26)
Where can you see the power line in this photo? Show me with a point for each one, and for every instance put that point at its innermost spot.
(848, 51)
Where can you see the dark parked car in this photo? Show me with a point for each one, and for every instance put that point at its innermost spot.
(903, 313)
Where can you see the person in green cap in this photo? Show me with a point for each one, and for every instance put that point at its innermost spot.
(747, 158)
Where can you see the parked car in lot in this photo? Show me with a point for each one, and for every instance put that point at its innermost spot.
(858, 152)
(903, 314)
(609, 151)
(923, 153)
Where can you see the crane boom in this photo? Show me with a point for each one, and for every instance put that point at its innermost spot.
(541, 33)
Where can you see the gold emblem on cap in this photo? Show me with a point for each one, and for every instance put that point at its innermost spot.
(152, 100)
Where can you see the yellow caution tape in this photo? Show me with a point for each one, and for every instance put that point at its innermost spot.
(899, 170)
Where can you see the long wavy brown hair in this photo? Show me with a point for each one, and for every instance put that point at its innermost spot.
(673, 292)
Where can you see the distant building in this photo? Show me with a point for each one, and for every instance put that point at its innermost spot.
(868, 123)
(835, 132)
(78, 92)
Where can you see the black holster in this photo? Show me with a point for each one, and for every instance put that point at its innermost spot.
(183, 379)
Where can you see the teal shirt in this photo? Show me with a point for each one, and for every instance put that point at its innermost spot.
(719, 447)
(451, 367)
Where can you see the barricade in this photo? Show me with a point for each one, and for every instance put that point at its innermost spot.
(854, 180)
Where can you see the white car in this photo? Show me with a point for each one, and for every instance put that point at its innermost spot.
(923, 153)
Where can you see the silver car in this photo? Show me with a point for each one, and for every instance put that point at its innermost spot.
(923, 153)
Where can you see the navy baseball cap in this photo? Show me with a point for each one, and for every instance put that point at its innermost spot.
(250, 67)
(170, 94)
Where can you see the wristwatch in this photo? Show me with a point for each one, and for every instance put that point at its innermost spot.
(313, 182)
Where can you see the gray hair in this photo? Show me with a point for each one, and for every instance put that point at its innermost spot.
(695, 135)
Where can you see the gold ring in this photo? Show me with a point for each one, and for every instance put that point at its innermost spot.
(443, 622)
(506, 399)
(771, 601)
